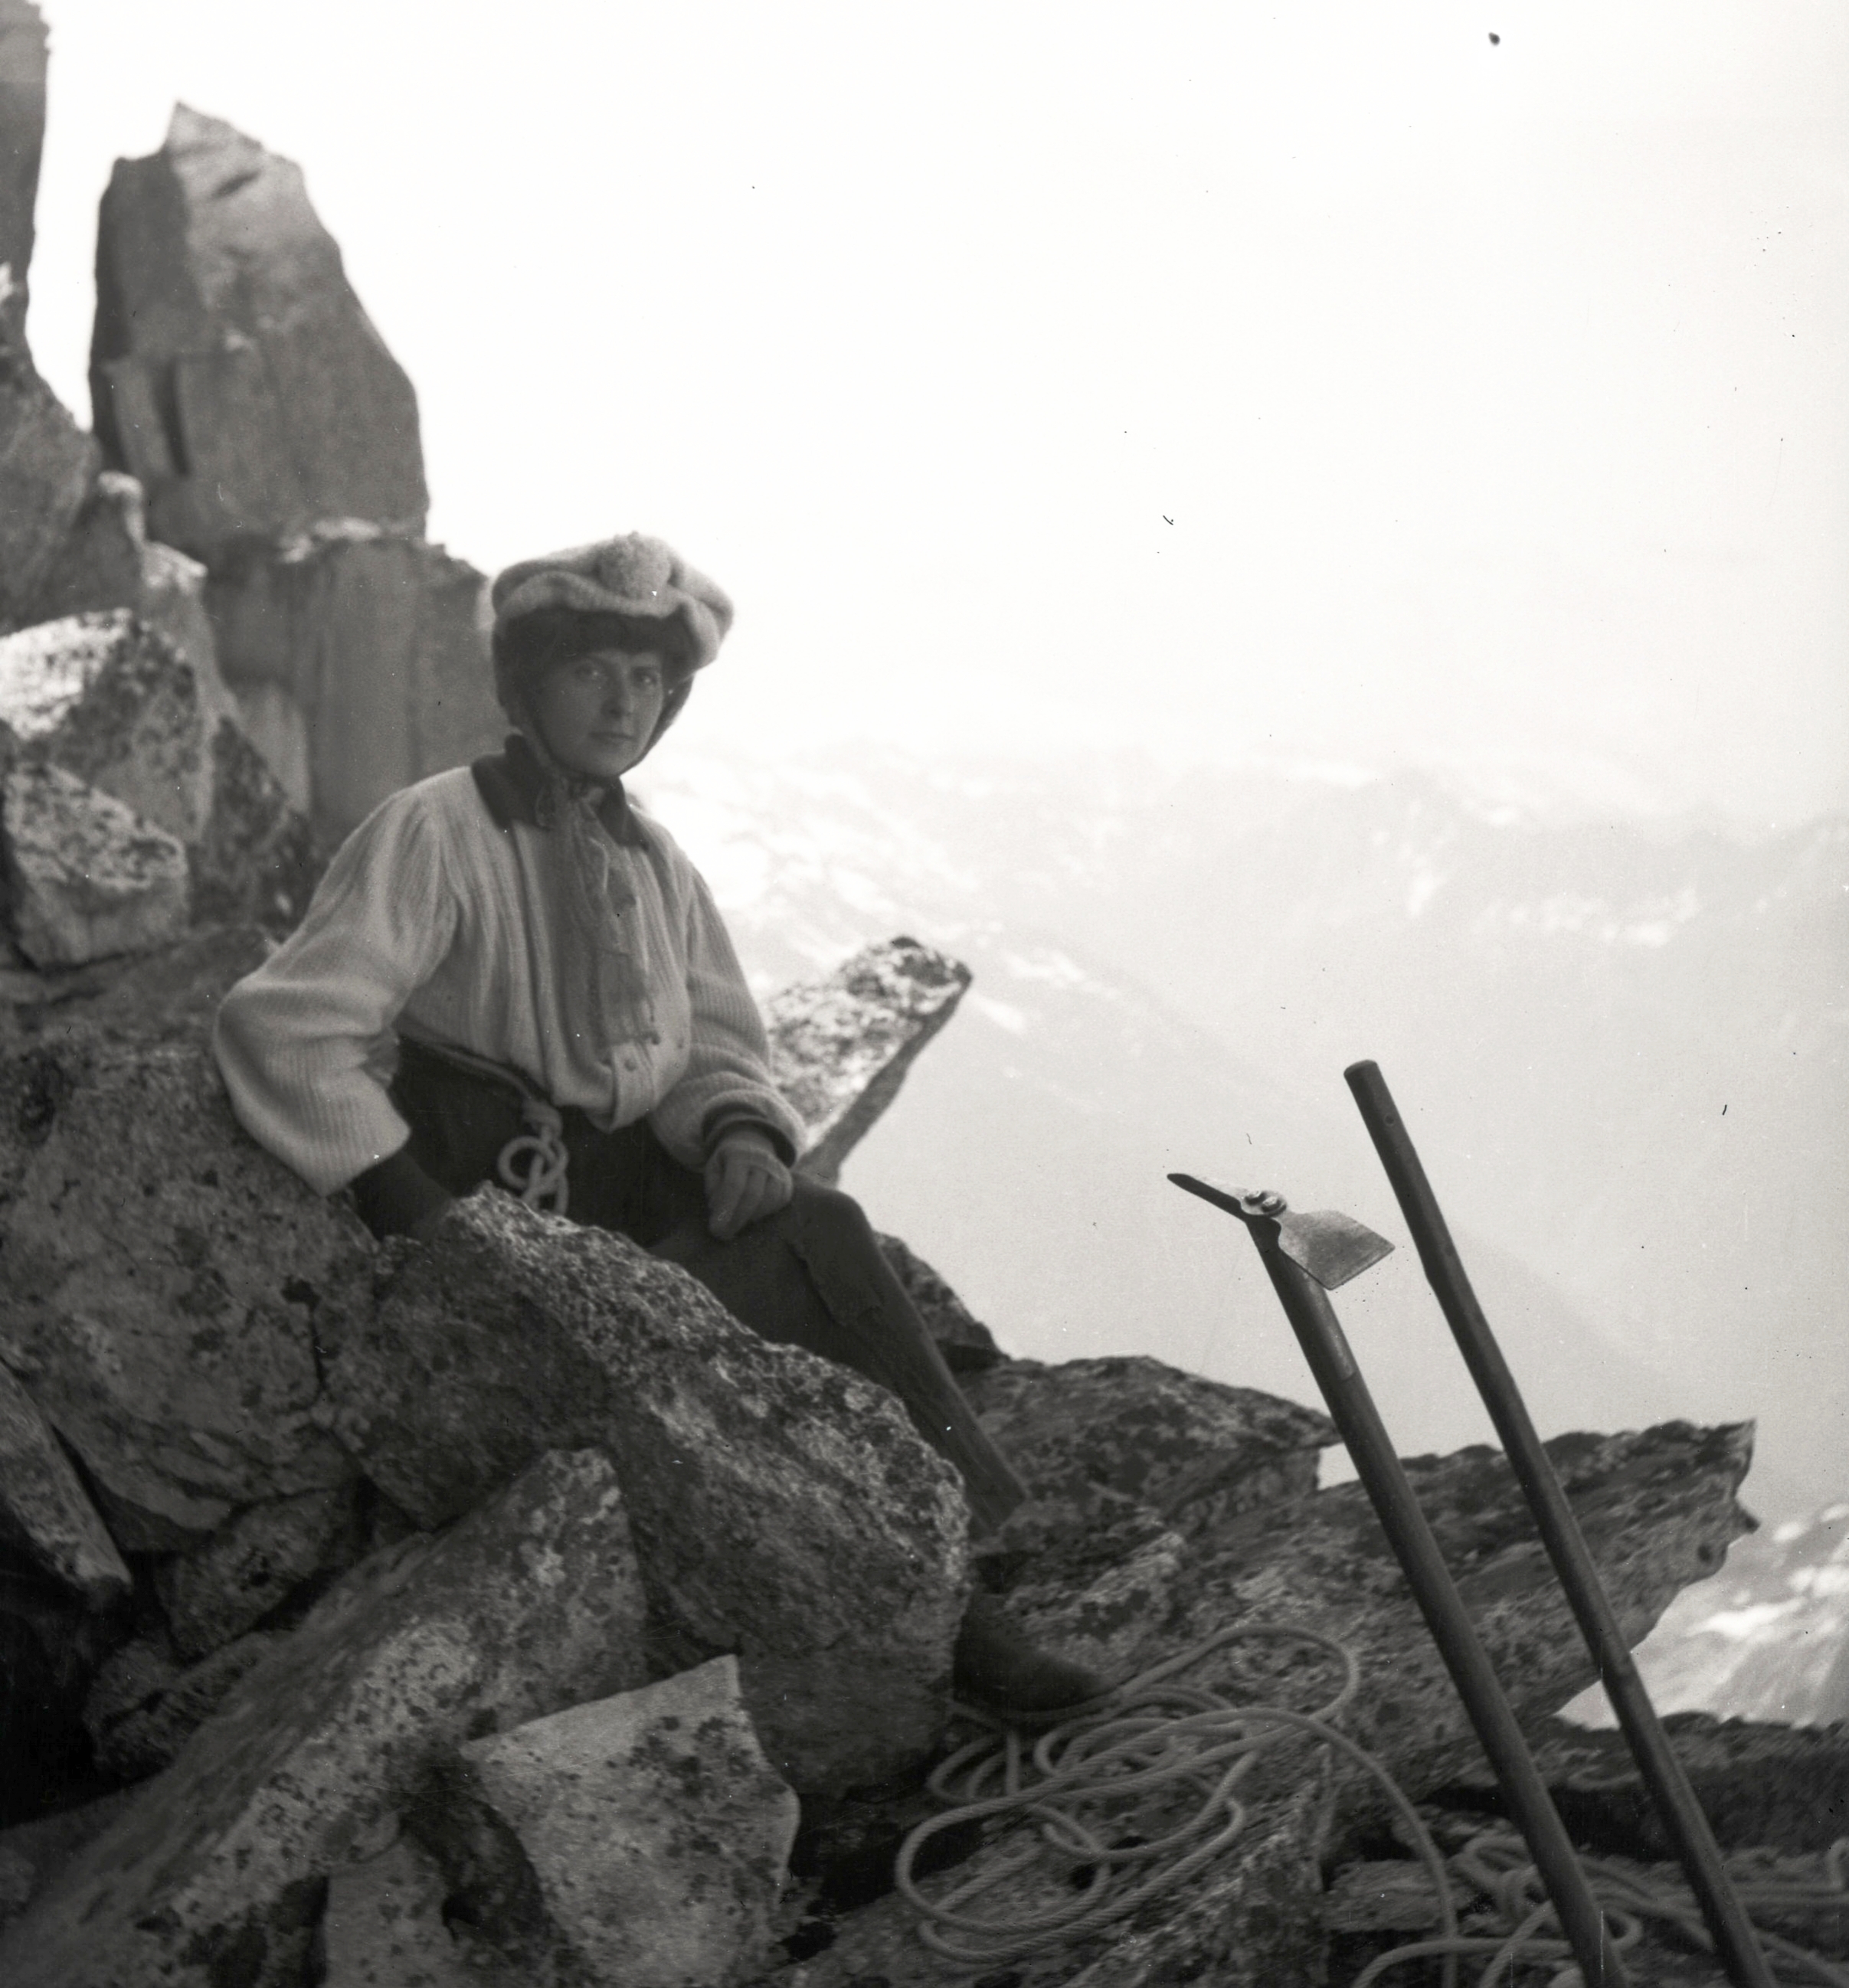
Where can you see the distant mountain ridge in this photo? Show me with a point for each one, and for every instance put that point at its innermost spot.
(1624, 1047)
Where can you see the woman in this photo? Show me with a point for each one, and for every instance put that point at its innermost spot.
(571, 1020)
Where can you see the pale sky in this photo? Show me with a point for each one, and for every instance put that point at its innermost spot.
(1219, 378)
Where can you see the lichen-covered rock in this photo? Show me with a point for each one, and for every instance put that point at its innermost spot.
(216, 1872)
(109, 699)
(1657, 1510)
(783, 1507)
(657, 1837)
(840, 1047)
(252, 1563)
(232, 368)
(86, 878)
(166, 1283)
(360, 659)
(967, 1345)
(1786, 1787)
(1123, 1458)
(385, 1925)
(107, 560)
(147, 1702)
(173, 991)
(1139, 1428)
(43, 1510)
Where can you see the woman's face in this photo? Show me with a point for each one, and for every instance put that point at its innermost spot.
(596, 714)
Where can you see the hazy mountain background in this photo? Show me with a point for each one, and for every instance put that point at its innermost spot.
(1619, 1044)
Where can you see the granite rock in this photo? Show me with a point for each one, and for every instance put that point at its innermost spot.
(253, 1562)
(22, 72)
(147, 1702)
(167, 1283)
(840, 1047)
(110, 700)
(47, 465)
(384, 1926)
(218, 1871)
(1785, 1787)
(657, 1835)
(85, 878)
(1657, 1509)
(784, 1508)
(233, 370)
(360, 659)
(43, 1510)
(107, 561)
(174, 991)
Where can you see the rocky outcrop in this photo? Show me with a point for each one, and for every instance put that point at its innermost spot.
(43, 1511)
(359, 658)
(105, 702)
(23, 67)
(783, 1507)
(652, 1839)
(86, 878)
(166, 1284)
(840, 1048)
(219, 1872)
(232, 370)
(47, 465)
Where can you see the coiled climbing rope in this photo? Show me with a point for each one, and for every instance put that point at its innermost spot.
(1124, 1801)
(534, 1163)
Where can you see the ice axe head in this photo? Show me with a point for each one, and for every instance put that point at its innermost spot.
(1332, 1248)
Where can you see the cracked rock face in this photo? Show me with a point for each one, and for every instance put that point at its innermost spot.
(656, 1836)
(219, 1872)
(358, 657)
(101, 711)
(783, 1507)
(840, 1047)
(43, 1509)
(165, 1285)
(234, 371)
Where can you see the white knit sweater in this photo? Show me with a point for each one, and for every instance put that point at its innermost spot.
(435, 920)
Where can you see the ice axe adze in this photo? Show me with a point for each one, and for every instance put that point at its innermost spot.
(1661, 1772)
(1298, 1251)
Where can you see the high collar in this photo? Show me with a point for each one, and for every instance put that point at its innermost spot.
(510, 781)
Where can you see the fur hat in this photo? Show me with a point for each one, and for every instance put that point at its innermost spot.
(636, 576)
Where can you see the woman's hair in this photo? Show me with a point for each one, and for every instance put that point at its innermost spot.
(535, 641)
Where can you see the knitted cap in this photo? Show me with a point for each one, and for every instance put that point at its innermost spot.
(635, 575)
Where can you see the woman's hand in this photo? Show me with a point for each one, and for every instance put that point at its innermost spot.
(745, 1180)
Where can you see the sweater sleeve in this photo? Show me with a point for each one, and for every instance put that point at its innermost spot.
(296, 1038)
(727, 1078)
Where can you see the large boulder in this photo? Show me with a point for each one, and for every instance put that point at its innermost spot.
(840, 1047)
(86, 878)
(167, 1285)
(359, 658)
(656, 1837)
(217, 1872)
(1657, 1508)
(110, 701)
(783, 1507)
(22, 69)
(232, 369)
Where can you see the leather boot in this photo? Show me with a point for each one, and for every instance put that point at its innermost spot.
(997, 1666)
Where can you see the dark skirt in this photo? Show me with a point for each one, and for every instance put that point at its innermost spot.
(812, 1275)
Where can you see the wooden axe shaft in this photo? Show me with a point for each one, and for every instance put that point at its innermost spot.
(1728, 1925)
(1313, 1319)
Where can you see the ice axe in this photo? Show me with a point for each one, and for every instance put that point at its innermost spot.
(1660, 1771)
(1304, 1254)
